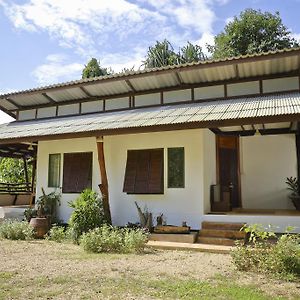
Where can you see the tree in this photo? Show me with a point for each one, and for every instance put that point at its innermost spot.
(160, 55)
(93, 69)
(191, 53)
(251, 32)
(163, 54)
(13, 170)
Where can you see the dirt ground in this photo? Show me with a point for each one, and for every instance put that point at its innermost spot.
(47, 270)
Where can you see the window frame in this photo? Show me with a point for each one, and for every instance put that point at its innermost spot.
(182, 186)
(50, 184)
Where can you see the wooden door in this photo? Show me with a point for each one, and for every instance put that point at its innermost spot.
(228, 168)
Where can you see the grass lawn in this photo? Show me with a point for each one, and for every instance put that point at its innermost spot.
(46, 270)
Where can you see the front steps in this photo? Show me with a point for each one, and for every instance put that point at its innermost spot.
(217, 233)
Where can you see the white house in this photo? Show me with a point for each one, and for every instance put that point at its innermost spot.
(207, 141)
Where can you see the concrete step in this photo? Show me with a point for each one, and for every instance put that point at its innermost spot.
(222, 225)
(190, 247)
(216, 241)
(230, 234)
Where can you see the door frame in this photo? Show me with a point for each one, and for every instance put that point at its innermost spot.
(238, 170)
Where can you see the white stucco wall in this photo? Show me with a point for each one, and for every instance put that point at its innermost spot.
(64, 146)
(177, 204)
(266, 161)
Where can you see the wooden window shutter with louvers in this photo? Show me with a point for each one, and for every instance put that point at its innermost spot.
(130, 173)
(144, 172)
(156, 178)
(77, 172)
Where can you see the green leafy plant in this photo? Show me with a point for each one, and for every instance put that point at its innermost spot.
(293, 185)
(87, 213)
(30, 213)
(280, 258)
(58, 234)
(16, 230)
(113, 239)
(47, 205)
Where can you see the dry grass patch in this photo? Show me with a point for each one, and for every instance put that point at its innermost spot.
(46, 270)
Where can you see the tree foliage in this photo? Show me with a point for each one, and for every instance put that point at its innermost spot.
(13, 170)
(163, 54)
(94, 69)
(251, 32)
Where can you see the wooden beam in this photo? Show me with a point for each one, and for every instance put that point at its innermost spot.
(86, 92)
(51, 100)
(104, 182)
(236, 69)
(13, 102)
(276, 131)
(129, 84)
(178, 78)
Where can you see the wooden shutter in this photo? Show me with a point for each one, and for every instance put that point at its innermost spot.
(130, 172)
(144, 172)
(77, 172)
(156, 182)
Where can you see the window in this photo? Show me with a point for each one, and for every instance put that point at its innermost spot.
(176, 167)
(54, 170)
(77, 172)
(144, 172)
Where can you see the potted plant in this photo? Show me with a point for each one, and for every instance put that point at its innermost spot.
(46, 213)
(293, 186)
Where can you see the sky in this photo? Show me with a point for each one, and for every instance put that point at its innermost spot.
(49, 41)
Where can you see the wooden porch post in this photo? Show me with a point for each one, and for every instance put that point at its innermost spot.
(104, 182)
(26, 172)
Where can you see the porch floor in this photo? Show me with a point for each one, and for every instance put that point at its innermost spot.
(190, 247)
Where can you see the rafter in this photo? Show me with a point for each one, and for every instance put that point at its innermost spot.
(85, 91)
(129, 84)
(51, 100)
(178, 78)
(13, 102)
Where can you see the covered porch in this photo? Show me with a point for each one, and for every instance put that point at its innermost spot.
(19, 194)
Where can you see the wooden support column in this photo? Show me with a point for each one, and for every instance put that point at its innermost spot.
(26, 172)
(104, 182)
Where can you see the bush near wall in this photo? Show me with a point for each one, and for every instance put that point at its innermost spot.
(87, 213)
(281, 259)
(113, 239)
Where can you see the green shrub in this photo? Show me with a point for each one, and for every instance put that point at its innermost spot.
(16, 230)
(87, 214)
(58, 234)
(281, 258)
(113, 239)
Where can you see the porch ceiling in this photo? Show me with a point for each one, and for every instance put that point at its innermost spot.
(130, 83)
(213, 114)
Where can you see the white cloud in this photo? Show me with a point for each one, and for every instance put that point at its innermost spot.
(229, 20)
(74, 22)
(296, 36)
(57, 69)
(206, 39)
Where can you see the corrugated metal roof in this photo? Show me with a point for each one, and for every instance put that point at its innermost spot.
(238, 109)
(276, 62)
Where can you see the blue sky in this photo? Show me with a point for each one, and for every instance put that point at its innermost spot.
(49, 41)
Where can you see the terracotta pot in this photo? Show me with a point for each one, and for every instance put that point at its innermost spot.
(40, 225)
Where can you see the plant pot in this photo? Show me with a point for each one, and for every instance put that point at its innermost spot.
(296, 201)
(40, 225)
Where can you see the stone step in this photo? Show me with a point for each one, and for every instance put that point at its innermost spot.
(222, 225)
(230, 234)
(216, 241)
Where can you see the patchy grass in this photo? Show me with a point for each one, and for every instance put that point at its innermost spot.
(45, 270)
